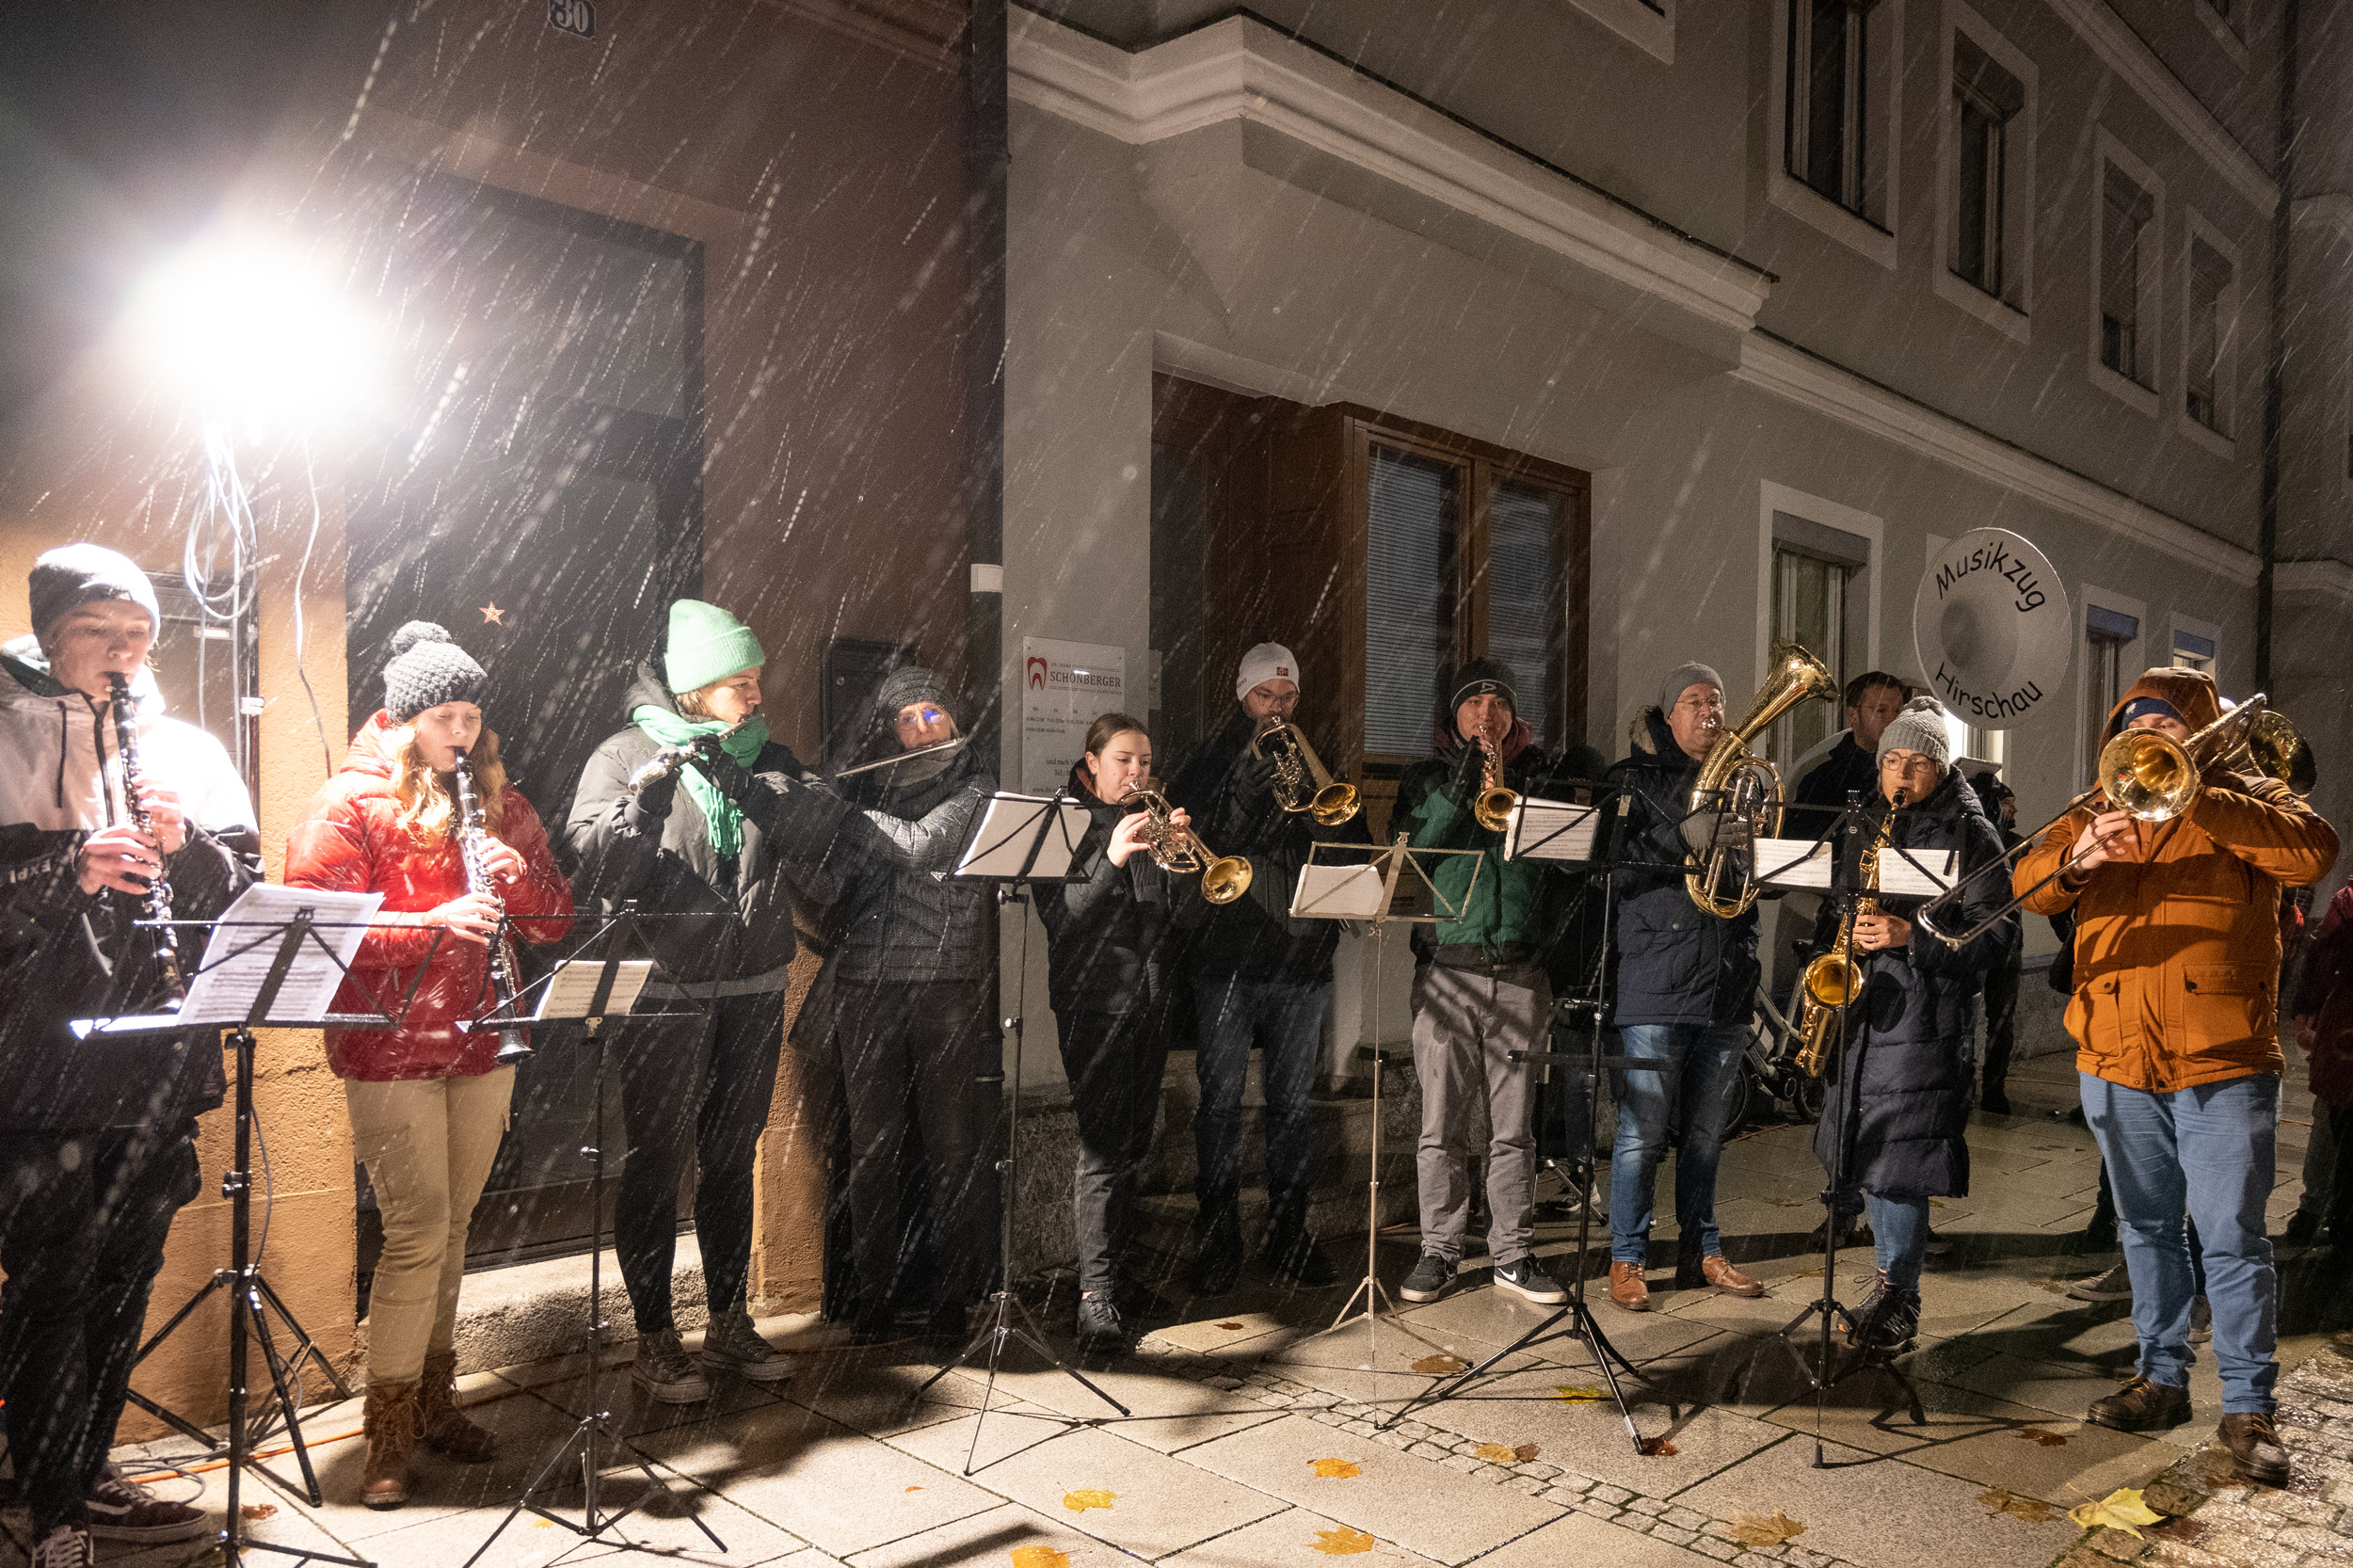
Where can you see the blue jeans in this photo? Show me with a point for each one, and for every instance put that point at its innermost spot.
(2209, 1152)
(1899, 1232)
(1697, 1073)
(1285, 1018)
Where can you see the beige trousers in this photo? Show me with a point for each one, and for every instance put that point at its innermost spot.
(427, 1144)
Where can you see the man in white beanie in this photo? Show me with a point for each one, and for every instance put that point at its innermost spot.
(1259, 978)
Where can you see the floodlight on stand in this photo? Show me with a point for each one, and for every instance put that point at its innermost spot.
(253, 333)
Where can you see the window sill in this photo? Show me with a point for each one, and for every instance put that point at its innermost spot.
(2122, 387)
(1999, 314)
(1802, 201)
(1638, 23)
(2212, 440)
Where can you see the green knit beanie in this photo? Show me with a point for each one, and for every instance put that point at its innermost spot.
(707, 644)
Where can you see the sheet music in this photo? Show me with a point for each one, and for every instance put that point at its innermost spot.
(245, 944)
(1803, 863)
(1009, 825)
(1327, 892)
(571, 988)
(1551, 830)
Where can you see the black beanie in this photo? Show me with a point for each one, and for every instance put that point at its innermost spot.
(73, 575)
(906, 685)
(1478, 678)
(427, 670)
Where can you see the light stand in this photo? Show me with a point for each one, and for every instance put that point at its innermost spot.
(593, 1429)
(1018, 854)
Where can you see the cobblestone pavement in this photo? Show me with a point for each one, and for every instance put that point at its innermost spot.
(1253, 1438)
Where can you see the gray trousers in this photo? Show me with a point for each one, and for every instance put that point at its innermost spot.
(1466, 1022)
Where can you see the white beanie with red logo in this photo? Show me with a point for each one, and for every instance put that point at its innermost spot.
(1267, 662)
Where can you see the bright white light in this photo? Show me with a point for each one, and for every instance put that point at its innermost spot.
(251, 331)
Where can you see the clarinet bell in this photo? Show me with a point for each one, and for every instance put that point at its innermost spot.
(513, 1047)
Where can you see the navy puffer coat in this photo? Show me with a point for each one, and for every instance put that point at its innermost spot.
(1913, 1030)
(1676, 964)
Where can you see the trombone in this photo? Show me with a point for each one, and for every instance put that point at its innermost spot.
(2148, 776)
(1301, 781)
(1180, 851)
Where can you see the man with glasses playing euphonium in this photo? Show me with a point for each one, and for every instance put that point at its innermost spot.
(2175, 1018)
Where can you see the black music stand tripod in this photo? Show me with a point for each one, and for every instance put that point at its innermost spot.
(251, 1298)
(594, 1430)
(1016, 839)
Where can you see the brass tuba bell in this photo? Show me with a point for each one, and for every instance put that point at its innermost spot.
(1736, 785)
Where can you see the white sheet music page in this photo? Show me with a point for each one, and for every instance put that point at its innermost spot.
(1793, 863)
(571, 988)
(1551, 830)
(245, 945)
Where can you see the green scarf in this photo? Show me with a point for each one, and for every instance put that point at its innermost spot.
(672, 728)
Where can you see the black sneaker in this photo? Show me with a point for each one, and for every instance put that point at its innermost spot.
(1888, 1322)
(1218, 1264)
(68, 1545)
(1433, 1277)
(1526, 1276)
(2303, 1227)
(1101, 1331)
(119, 1508)
(1301, 1260)
(1993, 1102)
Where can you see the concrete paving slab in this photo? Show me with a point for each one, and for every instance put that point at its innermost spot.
(1170, 1413)
(532, 1541)
(1294, 1535)
(1426, 1508)
(1158, 1504)
(818, 1478)
(1497, 1318)
(1588, 1436)
(878, 1397)
(1224, 1335)
(1580, 1538)
(988, 1541)
(1879, 1511)
(636, 1413)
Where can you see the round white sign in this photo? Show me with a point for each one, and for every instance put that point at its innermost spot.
(1991, 626)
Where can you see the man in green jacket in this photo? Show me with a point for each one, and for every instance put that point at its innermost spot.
(1480, 990)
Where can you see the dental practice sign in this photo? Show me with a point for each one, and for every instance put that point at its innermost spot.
(1991, 626)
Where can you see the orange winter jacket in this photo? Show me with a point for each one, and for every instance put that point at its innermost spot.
(2177, 939)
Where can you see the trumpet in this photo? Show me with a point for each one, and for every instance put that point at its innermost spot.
(1180, 851)
(1496, 800)
(513, 1046)
(1301, 782)
(1834, 979)
(158, 898)
(1736, 782)
(2151, 776)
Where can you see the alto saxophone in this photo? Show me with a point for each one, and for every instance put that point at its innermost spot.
(158, 898)
(1834, 979)
(471, 836)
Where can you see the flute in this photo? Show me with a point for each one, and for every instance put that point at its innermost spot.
(158, 888)
(513, 1047)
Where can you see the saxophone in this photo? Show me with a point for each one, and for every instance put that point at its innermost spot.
(1834, 979)
(513, 1046)
(158, 889)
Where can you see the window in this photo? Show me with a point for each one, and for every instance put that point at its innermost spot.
(1989, 746)
(2126, 264)
(1809, 609)
(1831, 118)
(1412, 519)
(2107, 636)
(1647, 25)
(2209, 309)
(2192, 651)
(1986, 99)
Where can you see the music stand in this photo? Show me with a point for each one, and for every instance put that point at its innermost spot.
(1016, 839)
(1365, 892)
(300, 959)
(562, 1006)
(1827, 1305)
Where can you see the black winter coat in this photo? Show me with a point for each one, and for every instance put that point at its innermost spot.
(904, 918)
(1675, 963)
(1913, 1029)
(1821, 794)
(1230, 796)
(1106, 934)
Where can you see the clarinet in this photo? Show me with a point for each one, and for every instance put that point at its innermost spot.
(158, 889)
(513, 1047)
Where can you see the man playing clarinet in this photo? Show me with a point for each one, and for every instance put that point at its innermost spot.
(97, 1141)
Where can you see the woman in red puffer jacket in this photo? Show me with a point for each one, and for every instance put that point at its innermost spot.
(428, 1100)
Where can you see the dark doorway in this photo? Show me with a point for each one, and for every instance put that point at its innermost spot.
(539, 494)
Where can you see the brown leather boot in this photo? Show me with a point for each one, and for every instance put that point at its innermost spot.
(1627, 1289)
(1717, 1269)
(392, 1423)
(2255, 1448)
(2141, 1405)
(447, 1431)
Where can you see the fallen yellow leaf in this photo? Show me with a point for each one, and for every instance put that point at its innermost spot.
(2120, 1509)
(2033, 1510)
(1767, 1530)
(259, 1511)
(1505, 1454)
(1337, 1469)
(1577, 1392)
(914, 1489)
(1079, 1502)
(1035, 1556)
(1656, 1446)
(1342, 1542)
(1432, 1365)
(2036, 1434)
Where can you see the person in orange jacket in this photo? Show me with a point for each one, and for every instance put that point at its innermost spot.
(2175, 1018)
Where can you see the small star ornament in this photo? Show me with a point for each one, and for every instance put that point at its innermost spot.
(492, 614)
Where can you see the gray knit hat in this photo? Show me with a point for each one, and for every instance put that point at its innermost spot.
(1919, 727)
(907, 685)
(70, 576)
(427, 670)
(1681, 679)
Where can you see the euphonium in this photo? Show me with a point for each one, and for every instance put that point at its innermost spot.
(1301, 781)
(1496, 800)
(1834, 979)
(513, 1047)
(159, 890)
(1180, 851)
(1734, 782)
